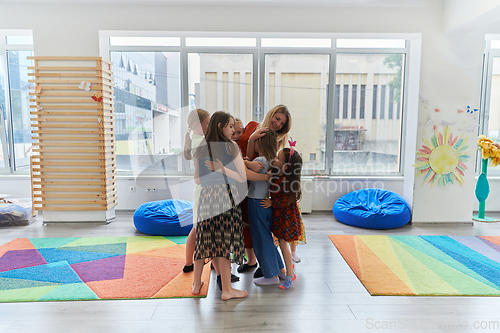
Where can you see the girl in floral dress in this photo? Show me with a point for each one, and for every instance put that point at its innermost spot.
(285, 193)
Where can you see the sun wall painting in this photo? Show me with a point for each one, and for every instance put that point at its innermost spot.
(442, 159)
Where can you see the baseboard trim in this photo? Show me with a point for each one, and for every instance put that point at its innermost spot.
(441, 224)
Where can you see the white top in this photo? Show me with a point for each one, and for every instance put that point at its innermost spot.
(195, 142)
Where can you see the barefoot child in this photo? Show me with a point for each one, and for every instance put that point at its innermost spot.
(219, 227)
(285, 193)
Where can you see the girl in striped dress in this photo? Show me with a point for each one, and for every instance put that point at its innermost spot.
(219, 228)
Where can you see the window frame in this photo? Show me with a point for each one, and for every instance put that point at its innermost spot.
(486, 85)
(210, 50)
(10, 162)
(404, 112)
(411, 69)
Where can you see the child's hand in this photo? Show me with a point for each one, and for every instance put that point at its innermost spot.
(214, 166)
(258, 134)
(266, 203)
(255, 166)
(270, 176)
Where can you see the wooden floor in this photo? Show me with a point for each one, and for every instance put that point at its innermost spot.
(326, 297)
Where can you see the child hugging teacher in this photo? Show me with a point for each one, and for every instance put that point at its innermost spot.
(279, 120)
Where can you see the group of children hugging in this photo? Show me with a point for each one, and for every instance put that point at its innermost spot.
(228, 217)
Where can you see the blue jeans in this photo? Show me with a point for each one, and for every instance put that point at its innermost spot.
(266, 252)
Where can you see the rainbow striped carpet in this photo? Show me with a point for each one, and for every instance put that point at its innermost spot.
(92, 268)
(424, 265)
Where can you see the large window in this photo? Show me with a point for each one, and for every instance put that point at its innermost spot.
(346, 96)
(15, 125)
(300, 81)
(20, 106)
(368, 144)
(4, 147)
(222, 82)
(147, 110)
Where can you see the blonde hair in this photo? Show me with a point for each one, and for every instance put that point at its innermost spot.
(238, 121)
(196, 115)
(283, 132)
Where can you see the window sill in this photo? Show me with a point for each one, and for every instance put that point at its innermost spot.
(188, 177)
(352, 177)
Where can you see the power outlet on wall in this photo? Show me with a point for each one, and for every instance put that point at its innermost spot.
(132, 188)
(151, 189)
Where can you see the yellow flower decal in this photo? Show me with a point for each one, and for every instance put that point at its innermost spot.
(490, 148)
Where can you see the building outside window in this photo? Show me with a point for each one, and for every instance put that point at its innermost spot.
(15, 129)
(247, 79)
(346, 102)
(370, 145)
(147, 112)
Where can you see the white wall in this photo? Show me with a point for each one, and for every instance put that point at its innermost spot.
(326, 192)
(18, 187)
(450, 74)
(65, 29)
(467, 15)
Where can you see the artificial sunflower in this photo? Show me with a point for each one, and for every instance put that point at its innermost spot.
(490, 149)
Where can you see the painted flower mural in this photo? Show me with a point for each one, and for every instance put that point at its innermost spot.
(442, 159)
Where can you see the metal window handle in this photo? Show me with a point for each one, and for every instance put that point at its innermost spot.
(258, 112)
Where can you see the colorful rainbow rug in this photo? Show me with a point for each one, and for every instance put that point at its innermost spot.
(92, 268)
(424, 265)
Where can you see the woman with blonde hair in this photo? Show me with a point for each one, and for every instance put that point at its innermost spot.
(277, 119)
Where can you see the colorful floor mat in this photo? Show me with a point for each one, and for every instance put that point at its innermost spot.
(424, 265)
(92, 268)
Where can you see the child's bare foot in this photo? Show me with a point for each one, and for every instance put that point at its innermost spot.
(233, 293)
(196, 288)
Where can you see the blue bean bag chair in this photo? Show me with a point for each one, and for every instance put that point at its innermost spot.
(372, 208)
(165, 217)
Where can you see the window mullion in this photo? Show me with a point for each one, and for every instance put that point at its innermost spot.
(486, 87)
(404, 111)
(330, 117)
(8, 108)
(184, 98)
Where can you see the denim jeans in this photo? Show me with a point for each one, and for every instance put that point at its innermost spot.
(267, 254)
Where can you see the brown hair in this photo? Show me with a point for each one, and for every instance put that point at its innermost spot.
(267, 145)
(283, 132)
(196, 115)
(293, 169)
(215, 134)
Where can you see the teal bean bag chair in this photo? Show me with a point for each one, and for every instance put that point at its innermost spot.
(372, 208)
(165, 217)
